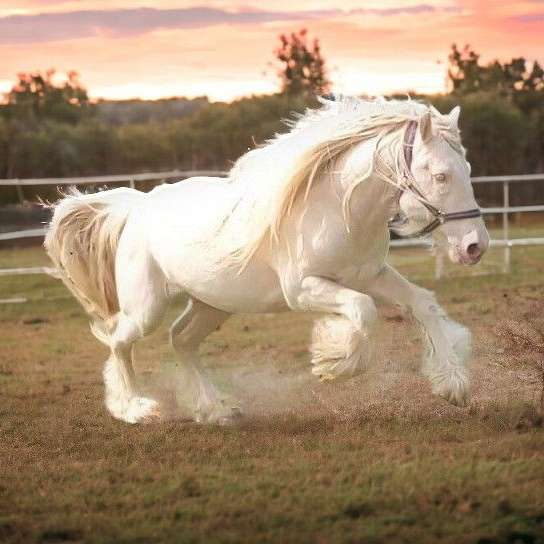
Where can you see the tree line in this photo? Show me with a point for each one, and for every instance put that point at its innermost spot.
(52, 129)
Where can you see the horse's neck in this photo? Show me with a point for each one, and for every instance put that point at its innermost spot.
(373, 201)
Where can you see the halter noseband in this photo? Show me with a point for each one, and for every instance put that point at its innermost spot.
(409, 184)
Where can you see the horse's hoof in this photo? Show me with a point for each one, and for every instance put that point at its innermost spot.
(136, 410)
(455, 389)
(222, 415)
(457, 399)
(339, 350)
(154, 415)
(230, 419)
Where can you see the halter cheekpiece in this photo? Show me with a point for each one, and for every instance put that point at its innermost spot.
(408, 183)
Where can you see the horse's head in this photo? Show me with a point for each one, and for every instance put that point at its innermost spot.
(439, 192)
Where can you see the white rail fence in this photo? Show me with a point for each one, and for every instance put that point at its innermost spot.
(132, 179)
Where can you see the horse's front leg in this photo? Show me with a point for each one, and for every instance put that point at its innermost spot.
(340, 344)
(448, 342)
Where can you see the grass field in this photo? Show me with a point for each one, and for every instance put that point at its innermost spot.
(374, 459)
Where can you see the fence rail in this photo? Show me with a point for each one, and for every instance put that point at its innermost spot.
(183, 174)
(117, 178)
(131, 179)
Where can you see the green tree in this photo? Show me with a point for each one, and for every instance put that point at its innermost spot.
(467, 75)
(464, 69)
(36, 96)
(516, 93)
(302, 68)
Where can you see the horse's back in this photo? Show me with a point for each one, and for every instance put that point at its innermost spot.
(194, 206)
(192, 189)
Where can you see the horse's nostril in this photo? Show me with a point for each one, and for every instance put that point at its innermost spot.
(473, 250)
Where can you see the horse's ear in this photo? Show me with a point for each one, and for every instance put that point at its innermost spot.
(453, 116)
(425, 127)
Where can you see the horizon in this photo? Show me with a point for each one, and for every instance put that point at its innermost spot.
(223, 49)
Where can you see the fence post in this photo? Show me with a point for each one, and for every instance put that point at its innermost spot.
(20, 193)
(438, 264)
(132, 184)
(505, 233)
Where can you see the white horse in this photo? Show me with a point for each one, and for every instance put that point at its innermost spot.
(301, 224)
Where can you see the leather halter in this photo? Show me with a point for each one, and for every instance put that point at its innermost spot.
(409, 184)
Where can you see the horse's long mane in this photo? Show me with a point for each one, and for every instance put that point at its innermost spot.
(271, 177)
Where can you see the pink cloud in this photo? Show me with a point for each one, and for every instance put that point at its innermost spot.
(66, 25)
(225, 51)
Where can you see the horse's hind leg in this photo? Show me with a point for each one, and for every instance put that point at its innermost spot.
(195, 389)
(142, 302)
(122, 398)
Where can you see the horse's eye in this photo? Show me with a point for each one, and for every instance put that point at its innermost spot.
(440, 177)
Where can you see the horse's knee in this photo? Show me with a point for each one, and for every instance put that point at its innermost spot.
(425, 305)
(125, 333)
(148, 318)
(362, 311)
(132, 327)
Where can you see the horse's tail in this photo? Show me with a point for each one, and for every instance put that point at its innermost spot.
(82, 240)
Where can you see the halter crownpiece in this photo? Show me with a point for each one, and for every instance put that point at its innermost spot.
(408, 183)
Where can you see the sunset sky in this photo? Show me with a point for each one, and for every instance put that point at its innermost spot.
(223, 48)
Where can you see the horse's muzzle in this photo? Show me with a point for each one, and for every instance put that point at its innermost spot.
(473, 246)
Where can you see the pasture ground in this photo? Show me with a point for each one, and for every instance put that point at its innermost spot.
(375, 459)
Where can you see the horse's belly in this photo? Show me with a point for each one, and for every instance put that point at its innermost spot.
(256, 289)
